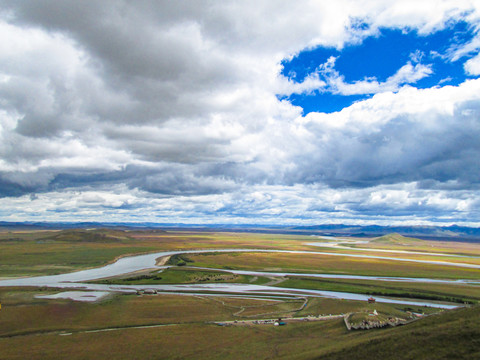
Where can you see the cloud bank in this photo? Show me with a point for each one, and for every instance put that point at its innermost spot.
(170, 112)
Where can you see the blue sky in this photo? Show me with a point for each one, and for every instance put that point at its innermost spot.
(378, 57)
(305, 112)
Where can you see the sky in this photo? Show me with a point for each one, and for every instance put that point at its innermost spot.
(240, 112)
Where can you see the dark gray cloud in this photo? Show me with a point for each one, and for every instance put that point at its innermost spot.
(427, 146)
(131, 109)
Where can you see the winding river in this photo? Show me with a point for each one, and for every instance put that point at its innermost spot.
(132, 264)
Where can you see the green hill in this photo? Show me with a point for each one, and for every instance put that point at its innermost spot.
(449, 335)
(394, 238)
(83, 235)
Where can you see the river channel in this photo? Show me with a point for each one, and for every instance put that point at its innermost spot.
(126, 265)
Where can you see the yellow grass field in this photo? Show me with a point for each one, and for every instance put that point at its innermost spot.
(317, 263)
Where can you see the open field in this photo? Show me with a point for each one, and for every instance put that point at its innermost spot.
(24, 253)
(22, 313)
(170, 326)
(398, 242)
(428, 291)
(55, 252)
(189, 341)
(401, 255)
(187, 333)
(326, 306)
(459, 293)
(185, 276)
(34, 253)
(452, 335)
(181, 240)
(317, 263)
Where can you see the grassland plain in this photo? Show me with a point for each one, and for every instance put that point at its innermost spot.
(329, 264)
(185, 276)
(186, 335)
(187, 341)
(57, 329)
(397, 254)
(452, 335)
(441, 292)
(399, 242)
(22, 313)
(33, 253)
(55, 252)
(459, 293)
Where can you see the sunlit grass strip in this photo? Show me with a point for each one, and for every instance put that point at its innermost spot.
(319, 263)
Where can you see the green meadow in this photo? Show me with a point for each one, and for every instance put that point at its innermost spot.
(34, 253)
(182, 275)
(179, 327)
(183, 326)
(318, 263)
(437, 292)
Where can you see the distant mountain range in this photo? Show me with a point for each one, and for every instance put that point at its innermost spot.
(450, 233)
